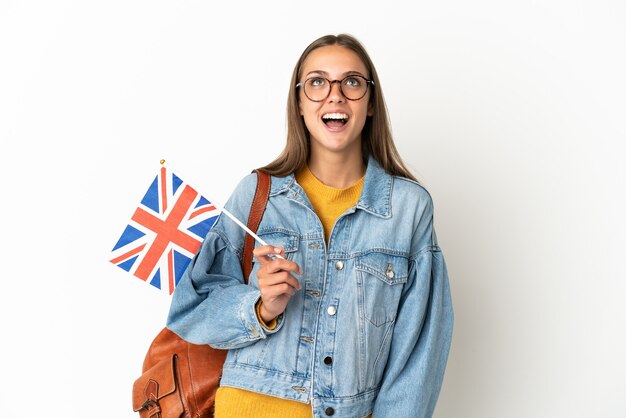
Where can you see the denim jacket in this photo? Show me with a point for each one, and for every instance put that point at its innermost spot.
(370, 330)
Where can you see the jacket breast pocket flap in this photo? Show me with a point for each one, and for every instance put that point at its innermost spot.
(391, 269)
(280, 237)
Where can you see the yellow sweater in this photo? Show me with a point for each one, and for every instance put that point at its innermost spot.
(328, 202)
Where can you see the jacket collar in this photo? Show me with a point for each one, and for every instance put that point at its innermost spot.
(375, 197)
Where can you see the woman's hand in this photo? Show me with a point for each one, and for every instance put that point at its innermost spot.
(276, 283)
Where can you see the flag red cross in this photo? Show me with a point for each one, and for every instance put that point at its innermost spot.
(167, 231)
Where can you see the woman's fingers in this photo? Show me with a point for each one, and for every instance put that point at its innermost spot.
(274, 264)
(280, 264)
(280, 289)
(263, 252)
(269, 279)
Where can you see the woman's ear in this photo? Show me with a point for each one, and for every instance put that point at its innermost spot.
(370, 109)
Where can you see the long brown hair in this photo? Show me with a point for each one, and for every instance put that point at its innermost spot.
(376, 138)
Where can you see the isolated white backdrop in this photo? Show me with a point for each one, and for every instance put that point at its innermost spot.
(512, 113)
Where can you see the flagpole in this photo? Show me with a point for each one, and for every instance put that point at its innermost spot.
(231, 216)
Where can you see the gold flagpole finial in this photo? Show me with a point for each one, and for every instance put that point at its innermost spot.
(162, 162)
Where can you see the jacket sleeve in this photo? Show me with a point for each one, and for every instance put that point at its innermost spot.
(212, 304)
(421, 341)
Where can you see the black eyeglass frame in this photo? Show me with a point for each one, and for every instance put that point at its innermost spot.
(331, 82)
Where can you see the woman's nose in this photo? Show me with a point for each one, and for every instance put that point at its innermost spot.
(335, 92)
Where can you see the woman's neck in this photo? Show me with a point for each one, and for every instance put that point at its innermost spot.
(337, 170)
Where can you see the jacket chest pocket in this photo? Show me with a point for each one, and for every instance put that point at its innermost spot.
(380, 279)
(280, 237)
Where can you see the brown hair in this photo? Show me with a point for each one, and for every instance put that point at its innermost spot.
(376, 137)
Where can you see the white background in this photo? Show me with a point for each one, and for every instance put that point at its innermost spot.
(512, 113)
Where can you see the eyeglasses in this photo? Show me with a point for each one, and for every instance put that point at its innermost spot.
(352, 87)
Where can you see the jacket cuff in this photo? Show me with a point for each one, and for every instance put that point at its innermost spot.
(268, 326)
(252, 323)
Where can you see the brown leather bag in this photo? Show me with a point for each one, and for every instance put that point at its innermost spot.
(179, 379)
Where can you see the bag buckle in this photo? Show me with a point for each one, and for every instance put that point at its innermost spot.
(148, 402)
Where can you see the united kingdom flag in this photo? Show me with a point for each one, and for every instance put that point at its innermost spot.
(165, 231)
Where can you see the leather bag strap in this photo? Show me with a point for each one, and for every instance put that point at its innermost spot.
(254, 219)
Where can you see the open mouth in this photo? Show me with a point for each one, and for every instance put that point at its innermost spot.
(335, 120)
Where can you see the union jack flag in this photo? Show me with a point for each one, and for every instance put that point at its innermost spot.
(165, 231)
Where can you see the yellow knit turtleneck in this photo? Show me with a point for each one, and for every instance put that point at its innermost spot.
(329, 203)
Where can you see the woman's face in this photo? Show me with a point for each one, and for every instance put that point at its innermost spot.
(335, 123)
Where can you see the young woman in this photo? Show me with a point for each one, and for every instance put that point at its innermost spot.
(354, 318)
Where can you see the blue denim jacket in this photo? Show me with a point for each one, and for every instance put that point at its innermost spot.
(370, 330)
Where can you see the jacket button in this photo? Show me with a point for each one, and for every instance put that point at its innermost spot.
(331, 310)
(330, 411)
(390, 272)
(328, 360)
(339, 265)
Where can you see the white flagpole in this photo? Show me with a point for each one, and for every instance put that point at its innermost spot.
(227, 213)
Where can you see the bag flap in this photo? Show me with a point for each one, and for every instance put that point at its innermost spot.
(155, 383)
